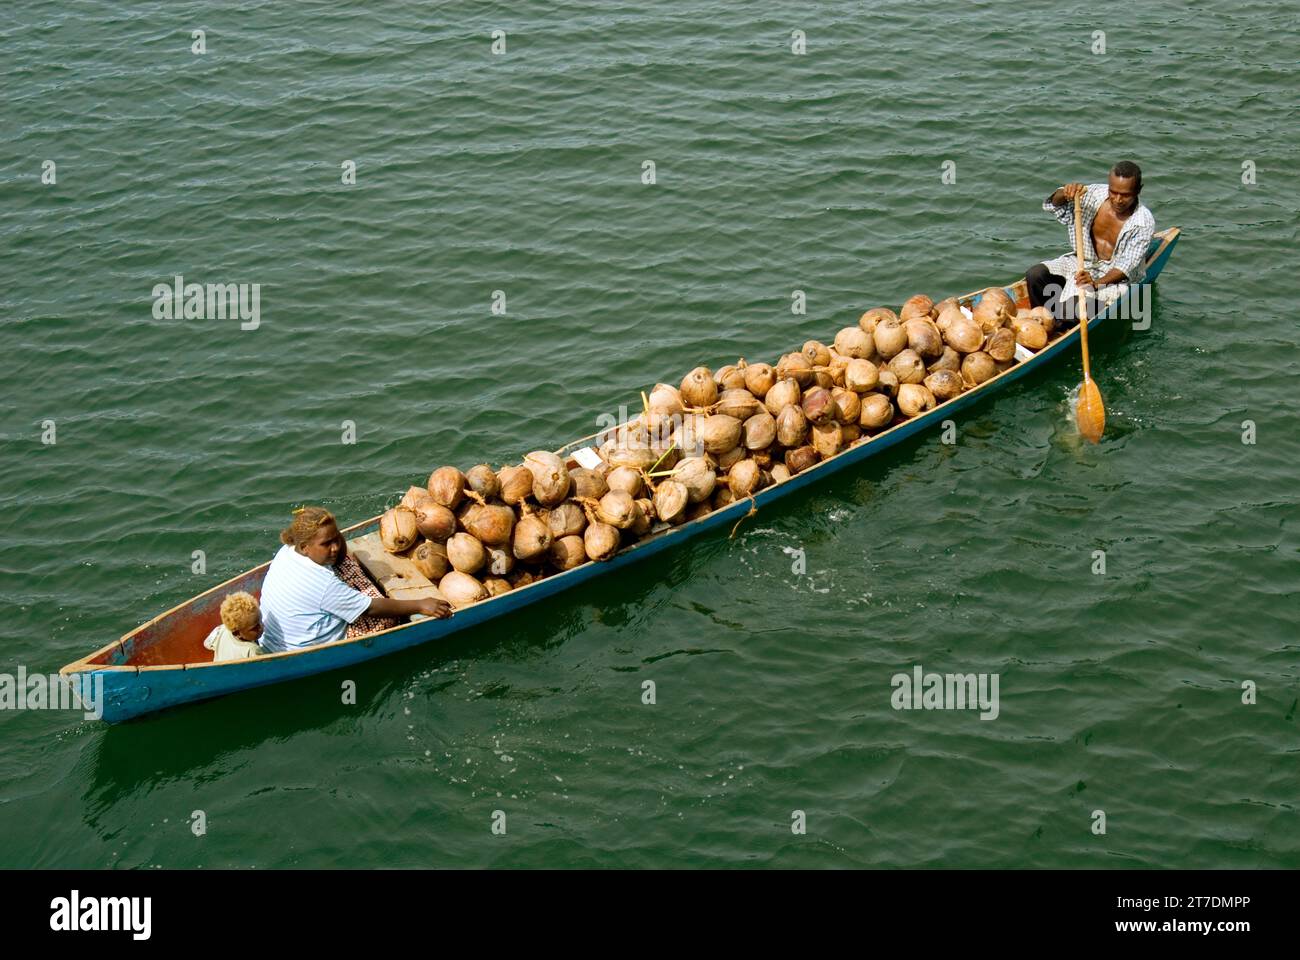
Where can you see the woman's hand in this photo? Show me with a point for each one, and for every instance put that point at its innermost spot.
(438, 609)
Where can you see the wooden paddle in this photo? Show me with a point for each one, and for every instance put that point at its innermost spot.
(1091, 412)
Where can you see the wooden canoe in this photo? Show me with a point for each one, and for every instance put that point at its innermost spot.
(163, 663)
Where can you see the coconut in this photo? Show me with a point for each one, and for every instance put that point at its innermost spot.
(908, 367)
(861, 376)
(671, 500)
(495, 586)
(695, 474)
(1001, 345)
(460, 589)
(550, 477)
(791, 427)
(890, 337)
(855, 343)
(643, 514)
(847, 405)
(744, 478)
(800, 458)
(1029, 333)
(516, 484)
(491, 524)
(587, 483)
(849, 432)
(699, 388)
(839, 363)
(731, 377)
(447, 486)
(663, 404)
(740, 404)
(994, 309)
(816, 353)
(466, 553)
(796, 366)
(950, 359)
(411, 499)
(780, 473)
(823, 379)
(617, 508)
(1044, 317)
(923, 337)
(914, 398)
(689, 435)
(568, 552)
(721, 433)
(759, 431)
(947, 316)
(731, 457)
(888, 383)
(827, 438)
(759, 378)
(600, 541)
(532, 538)
(398, 530)
(483, 481)
(948, 303)
(944, 384)
(818, 405)
(917, 306)
(431, 560)
(566, 520)
(977, 367)
(877, 411)
(964, 335)
(625, 479)
(867, 322)
(783, 394)
(500, 561)
(433, 520)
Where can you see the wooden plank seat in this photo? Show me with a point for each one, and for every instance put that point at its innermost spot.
(397, 577)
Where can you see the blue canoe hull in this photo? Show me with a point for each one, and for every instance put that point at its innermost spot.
(129, 691)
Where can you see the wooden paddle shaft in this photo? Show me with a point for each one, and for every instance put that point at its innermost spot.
(1083, 302)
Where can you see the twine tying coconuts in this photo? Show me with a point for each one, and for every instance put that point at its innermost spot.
(717, 438)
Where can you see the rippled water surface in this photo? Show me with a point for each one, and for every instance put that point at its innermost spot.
(775, 172)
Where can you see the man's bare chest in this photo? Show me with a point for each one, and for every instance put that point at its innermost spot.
(1105, 231)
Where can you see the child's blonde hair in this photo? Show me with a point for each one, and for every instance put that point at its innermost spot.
(240, 611)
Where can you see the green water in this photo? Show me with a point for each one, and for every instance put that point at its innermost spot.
(776, 172)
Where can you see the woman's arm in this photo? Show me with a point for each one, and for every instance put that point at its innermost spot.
(388, 607)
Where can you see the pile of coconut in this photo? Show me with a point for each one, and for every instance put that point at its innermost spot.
(717, 438)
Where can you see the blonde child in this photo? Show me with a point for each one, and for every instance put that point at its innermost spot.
(241, 624)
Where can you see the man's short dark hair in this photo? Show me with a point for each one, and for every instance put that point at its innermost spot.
(1128, 170)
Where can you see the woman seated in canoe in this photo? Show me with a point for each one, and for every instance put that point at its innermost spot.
(314, 592)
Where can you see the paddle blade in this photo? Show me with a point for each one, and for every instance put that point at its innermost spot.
(1091, 413)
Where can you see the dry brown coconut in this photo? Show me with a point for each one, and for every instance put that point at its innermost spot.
(483, 481)
(977, 367)
(491, 524)
(792, 427)
(939, 308)
(818, 405)
(817, 353)
(1001, 344)
(890, 338)
(867, 322)
(730, 458)
(567, 520)
(698, 388)
(964, 335)
(888, 383)
(532, 538)
(689, 435)
(434, 521)
(626, 479)
(697, 476)
(516, 484)
(431, 560)
(730, 377)
(495, 586)
(848, 406)
(642, 517)
(744, 478)
(914, 398)
(617, 508)
(917, 306)
(760, 378)
(721, 433)
(827, 438)
(411, 499)
(663, 407)
(780, 473)
(466, 553)
(1029, 333)
(550, 477)
(671, 500)
(600, 541)
(796, 367)
(877, 411)
(783, 393)
(398, 530)
(447, 486)
(861, 376)
(759, 431)
(500, 561)
(460, 589)
(855, 343)
(908, 367)
(944, 384)
(587, 483)
(994, 310)
(950, 359)
(923, 337)
(740, 404)
(849, 432)
(800, 458)
(568, 552)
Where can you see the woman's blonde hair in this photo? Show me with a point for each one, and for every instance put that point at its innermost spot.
(240, 611)
(306, 521)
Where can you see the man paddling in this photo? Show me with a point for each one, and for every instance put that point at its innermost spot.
(1117, 230)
